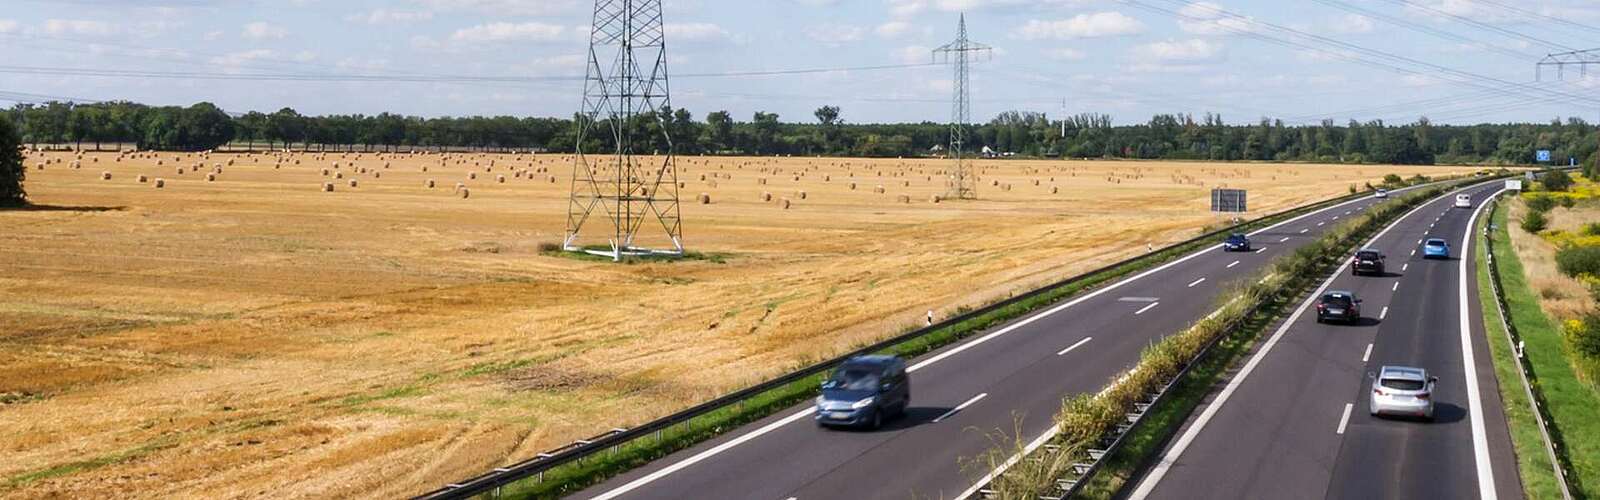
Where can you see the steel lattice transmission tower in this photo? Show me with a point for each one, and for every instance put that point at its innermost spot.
(962, 182)
(1580, 58)
(625, 171)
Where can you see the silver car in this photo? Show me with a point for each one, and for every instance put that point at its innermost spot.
(1402, 391)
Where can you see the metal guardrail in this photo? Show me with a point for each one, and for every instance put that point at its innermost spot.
(1536, 402)
(576, 452)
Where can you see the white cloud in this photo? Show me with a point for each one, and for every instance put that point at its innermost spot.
(261, 30)
(1195, 49)
(424, 42)
(78, 27)
(913, 54)
(213, 35)
(386, 16)
(892, 29)
(1207, 18)
(245, 57)
(504, 8)
(836, 34)
(694, 32)
(1351, 24)
(1094, 25)
(505, 32)
(7, 26)
(1065, 54)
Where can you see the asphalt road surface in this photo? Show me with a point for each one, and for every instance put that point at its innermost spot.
(1294, 422)
(1008, 380)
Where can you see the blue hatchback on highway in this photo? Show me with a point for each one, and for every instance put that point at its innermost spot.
(864, 392)
(1435, 248)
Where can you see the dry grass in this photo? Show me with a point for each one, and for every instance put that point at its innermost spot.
(255, 336)
(1562, 297)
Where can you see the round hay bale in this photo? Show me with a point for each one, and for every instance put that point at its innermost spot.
(852, 186)
(762, 181)
(1054, 190)
(338, 175)
(500, 178)
(429, 184)
(77, 164)
(934, 199)
(105, 176)
(230, 162)
(465, 193)
(460, 186)
(766, 196)
(327, 187)
(159, 163)
(903, 198)
(142, 179)
(160, 183)
(552, 179)
(783, 204)
(878, 189)
(801, 194)
(211, 177)
(325, 172)
(352, 183)
(472, 175)
(424, 168)
(180, 170)
(704, 198)
(217, 169)
(40, 167)
(377, 174)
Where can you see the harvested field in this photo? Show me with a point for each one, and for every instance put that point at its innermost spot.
(254, 335)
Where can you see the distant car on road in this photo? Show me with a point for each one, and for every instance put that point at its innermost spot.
(1236, 242)
(1367, 261)
(1402, 390)
(1382, 193)
(1463, 201)
(1338, 305)
(1435, 248)
(864, 392)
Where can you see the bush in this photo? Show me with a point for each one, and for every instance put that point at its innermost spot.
(12, 172)
(1541, 203)
(1577, 261)
(1584, 335)
(1591, 229)
(548, 247)
(1393, 180)
(1534, 222)
(1556, 180)
(1566, 202)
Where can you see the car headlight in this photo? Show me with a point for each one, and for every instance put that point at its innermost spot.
(861, 404)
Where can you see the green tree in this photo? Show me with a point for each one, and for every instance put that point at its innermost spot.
(12, 172)
(767, 128)
(720, 124)
(1556, 180)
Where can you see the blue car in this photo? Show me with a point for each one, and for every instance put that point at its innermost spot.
(1435, 248)
(864, 392)
(1236, 243)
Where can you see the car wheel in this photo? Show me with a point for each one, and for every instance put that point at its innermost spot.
(1319, 319)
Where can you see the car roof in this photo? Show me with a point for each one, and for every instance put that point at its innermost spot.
(1373, 250)
(1237, 235)
(1433, 241)
(1403, 372)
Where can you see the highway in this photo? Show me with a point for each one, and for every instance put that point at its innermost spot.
(1294, 422)
(1009, 379)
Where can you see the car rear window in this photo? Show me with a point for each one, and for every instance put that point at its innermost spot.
(1336, 300)
(1367, 255)
(1403, 384)
(1435, 243)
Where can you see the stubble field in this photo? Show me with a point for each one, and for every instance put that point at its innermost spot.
(254, 336)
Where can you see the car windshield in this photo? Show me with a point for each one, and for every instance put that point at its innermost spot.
(853, 379)
(1336, 300)
(1403, 384)
(1236, 237)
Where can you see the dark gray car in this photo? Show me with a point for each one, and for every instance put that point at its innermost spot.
(864, 391)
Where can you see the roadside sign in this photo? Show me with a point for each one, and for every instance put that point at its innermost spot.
(1514, 185)
(1228, 200)
(1543, 155)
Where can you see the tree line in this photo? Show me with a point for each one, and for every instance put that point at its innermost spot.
(1166, 136)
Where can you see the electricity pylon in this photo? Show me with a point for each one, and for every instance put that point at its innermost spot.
(624, 170)
(963, 182)
(1580, 58)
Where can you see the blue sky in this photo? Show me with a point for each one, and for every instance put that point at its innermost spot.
(1470, 60)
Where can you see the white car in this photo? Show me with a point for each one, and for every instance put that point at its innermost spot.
(1402, 391)
(1463, 201)
(1382, 193)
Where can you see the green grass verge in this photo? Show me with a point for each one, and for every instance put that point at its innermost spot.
(572, 476)
(1533, 464)
(90, 464)
(1574, 407)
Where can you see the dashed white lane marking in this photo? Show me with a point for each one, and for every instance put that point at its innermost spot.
(1419, 241)
(1235, 263)
(1304, 231)
(1413, 251)
(960, 407)
(1195, 282)
(1319, 224)
(1146, 308)
(1285, 238)
(1074, 346)
(1404, 267)
(1384, 313)
(1347, 212)
(1395, 287)
(1367, 355)
(1346, 418)
(1259, 250)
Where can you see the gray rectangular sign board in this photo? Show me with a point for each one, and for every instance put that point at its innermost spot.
(1228, 200)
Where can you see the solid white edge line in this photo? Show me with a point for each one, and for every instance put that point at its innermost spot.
(1074, 346)
(1195, 282)
(1346, 418)
(1146, 308)
(1367, 355)
(1480, 439)
(960, 407)
(696, 458)
(1148, 484)
(1032, 445)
